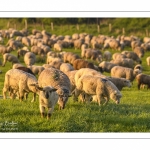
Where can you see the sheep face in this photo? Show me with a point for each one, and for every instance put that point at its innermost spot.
(127, 83)
(116, 97)
(63, 97)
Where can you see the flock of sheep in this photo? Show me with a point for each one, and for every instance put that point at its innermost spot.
(66, 74)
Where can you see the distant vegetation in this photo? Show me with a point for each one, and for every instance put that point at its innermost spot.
(108, 26)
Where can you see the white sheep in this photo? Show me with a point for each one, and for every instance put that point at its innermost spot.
(36, 69)
(29, 59)
(11, 58)
(65, 67)
(59, 80)
(148, 60)
(124, 72)
(48, 98)
(102, 88)
(57, 47)
(5, 49)
(19, 81)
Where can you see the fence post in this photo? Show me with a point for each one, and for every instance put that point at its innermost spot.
(8, 24)
(26, 24)
(146, 32)
(98, 28)
(77, 27)
(110, 27)
(123, 31)
(52, 26)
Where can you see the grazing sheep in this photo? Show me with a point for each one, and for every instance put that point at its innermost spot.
(132, 55)
(9, 57)
(70, 57)
(116, 56)
(102, 88)
(143, 79)
(81, 63)
(148, 60)
(107, 55)
(26, 41)
(59, 80)
(78, 43)
(36, 69)
(124, 72)
(29, 59)
(139, 51)
(125, 62)
(5, 49)
(19, 81)
(38, 51)
(107, 66)
(120, 82)
(21, 52)
(16, 65)
(57, 47)
(65, 67)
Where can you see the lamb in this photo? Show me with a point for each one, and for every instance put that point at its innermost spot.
(11, 58)
(143, 79)
(29, 59)
(36, 69)
(48, 98)
(102, 88)
(19, 81)
(124, 72)
(107, 66)
(59, 80)
(120, 82)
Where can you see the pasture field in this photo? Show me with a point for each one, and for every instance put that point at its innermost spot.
(131, 115)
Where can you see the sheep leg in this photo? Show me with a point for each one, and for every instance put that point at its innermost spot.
(50, 110)
(34, 97)
(99, 99)
(42, 111)
(4, 92)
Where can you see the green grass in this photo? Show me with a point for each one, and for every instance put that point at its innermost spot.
(131, 115)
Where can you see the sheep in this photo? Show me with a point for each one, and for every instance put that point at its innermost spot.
(11, 58)
(19, 81)
(148, 60)
(116, 56)
(124, 72)
(81, 63)
(107, 55)
(78, 43)
(21, 52)
(143, 79)
(57, 47)
(59, 80)
(16, 65)
(29, 59)
(26, 41)
(36, 69)
(132, 55)
(28, 70)
(139, 51)
(70, 57)
(138, 66)
(5, 49)
(65, 67)
(38, 51)
(120, 82)
(107, 66)
(102, 88)
(48, 98)
(125, 62)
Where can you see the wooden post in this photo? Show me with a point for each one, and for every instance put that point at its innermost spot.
(77, 27)
(98, 28)
(15, 26)
(8, 24)
(42, 26)
(110, 27)
(146, 32)
(26, 24)
(52, 26)
(123, 31)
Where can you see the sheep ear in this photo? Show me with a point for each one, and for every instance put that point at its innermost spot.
(53, 90)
